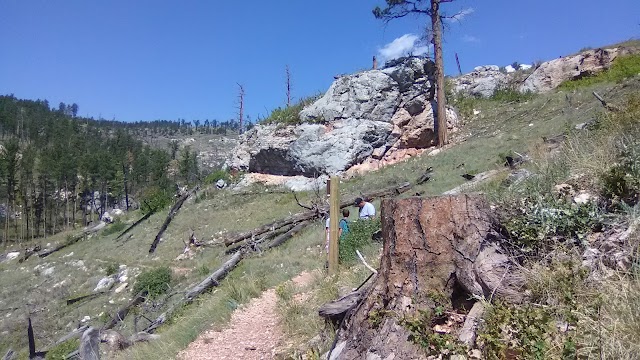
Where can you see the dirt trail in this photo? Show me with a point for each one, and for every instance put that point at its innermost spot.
(252, 333)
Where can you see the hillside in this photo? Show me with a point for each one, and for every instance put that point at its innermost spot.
(543, 127)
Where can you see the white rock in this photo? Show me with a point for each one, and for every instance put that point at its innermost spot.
(86, 318)
(121, 288)
(510, 69)
(68, 255)
(117, 212)
(525, 67)
(104, 284)
(48, 271)
(583, 197)
(476, 112)
(13, 255)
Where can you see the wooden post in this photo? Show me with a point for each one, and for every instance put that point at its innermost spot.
(334, 208)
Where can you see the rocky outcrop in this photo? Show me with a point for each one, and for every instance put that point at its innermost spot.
(553, 73)
(369, 116)
(481, 82)
(370, 95)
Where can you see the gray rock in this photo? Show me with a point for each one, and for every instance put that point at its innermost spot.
(104, 284)
(482, 82)
(221, 184)
(12, 255)
(370, 95)
(517, 176)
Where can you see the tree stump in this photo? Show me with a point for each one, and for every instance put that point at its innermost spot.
(436, 250)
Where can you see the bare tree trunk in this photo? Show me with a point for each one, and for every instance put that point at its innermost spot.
(436, 27)
(126, 190)
(288, 74)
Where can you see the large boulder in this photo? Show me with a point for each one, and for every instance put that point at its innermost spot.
(311, 149)
(483, 81)
(360, 118)
(370, 95)
(553, 73)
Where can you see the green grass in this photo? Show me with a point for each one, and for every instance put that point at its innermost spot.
(289, 115)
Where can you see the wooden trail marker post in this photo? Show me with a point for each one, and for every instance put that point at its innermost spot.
(334, 208)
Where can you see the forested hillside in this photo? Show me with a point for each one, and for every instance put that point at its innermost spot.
(60, 171)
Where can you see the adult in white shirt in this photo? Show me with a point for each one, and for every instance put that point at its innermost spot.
(367, 210)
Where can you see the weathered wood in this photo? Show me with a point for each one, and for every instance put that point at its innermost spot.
(606, 105)
(441, 245)
(32, 340)
(90, 344)
(288, 235)
(72, 241)
(145, 217)
(124, 311)
(73, 334)
(84, 297)
(312, 214)
(336, 310)
(116, 341)
(253, 244)
(172, 213)
(477, 179)
(10, 355)
(213, 279)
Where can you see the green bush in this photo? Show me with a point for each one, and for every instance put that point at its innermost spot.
(506, 94)
(217, 175)
(518, 332)
(116, 227)
(111, 269)
(289, 115)
(155, 198)
(60, 351)
(359, 236)
(155, 282)
(623, 67)
(530, 222)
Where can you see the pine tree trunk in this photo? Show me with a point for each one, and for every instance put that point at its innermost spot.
(438, 253)
(436, 26)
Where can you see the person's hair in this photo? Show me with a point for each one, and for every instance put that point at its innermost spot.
(345, 212)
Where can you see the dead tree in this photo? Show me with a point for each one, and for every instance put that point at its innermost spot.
(431, 8)
(438, 251)
(172, 213)
(240, 107)
(288, 75)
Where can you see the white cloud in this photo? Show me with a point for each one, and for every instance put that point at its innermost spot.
(461, 14)
(407, 44)
(470, 39)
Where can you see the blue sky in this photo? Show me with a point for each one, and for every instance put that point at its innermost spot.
(150, 59)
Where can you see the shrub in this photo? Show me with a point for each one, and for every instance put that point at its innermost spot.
(530, 222)
(219, 174)
(116, 227)
(289, 115)
(506, 94)
(518, 332)
(359, 236)
(155, 281)
(154, 199)
(60, 351)
(111, 269)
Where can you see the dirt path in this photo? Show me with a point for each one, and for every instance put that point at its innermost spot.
(252, 333)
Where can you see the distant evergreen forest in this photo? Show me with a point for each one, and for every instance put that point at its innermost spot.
(59, 171)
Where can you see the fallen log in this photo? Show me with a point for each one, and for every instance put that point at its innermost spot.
(145, 217)
(254, 243)
(72, 241)
(90, 344)
(174, 210)
(606, 105)
(211, 281)
(10, 355)
(84, 297)
(288, 235)
(312, 214)
(123, 312)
